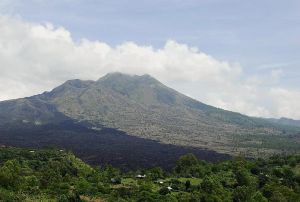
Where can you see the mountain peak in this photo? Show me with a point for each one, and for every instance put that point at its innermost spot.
(117, 78)
(69, 85)
(115, 74)
(118, 75)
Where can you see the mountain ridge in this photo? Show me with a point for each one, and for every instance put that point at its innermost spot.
(286, 121)
(144, 107)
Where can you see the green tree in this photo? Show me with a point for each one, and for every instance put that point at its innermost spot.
(187, 185)
(243, 194)
(187, 165)
(243, 177)
(10, 175)
(258, 197)
(156, 173)
(278, 197)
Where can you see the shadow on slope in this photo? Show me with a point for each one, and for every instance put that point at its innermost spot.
(107, 146)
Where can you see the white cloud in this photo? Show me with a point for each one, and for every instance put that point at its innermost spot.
(276, 74)
(287, 102)
(38, 57)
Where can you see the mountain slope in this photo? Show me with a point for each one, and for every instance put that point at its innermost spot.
(286, 121)
(142, 106)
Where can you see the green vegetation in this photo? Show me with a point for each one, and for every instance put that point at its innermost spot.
(56, 175)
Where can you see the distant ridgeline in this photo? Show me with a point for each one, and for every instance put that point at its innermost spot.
(119, 112)
(57, 175)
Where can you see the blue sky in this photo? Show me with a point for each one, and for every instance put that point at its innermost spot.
(262, 36)
(255, 33)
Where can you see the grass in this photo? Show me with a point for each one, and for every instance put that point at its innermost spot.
(129, 182)
(297, 169)
(194, 181)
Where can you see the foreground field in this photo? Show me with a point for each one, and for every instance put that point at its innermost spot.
(57, 175)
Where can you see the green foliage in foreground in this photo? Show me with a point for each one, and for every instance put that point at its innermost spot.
(55, 175)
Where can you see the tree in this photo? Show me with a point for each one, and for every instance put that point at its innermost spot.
(278, 197)
(184, 197)
(156, 173)
(213, 190)
(164, 191)
(242, 193)
(83, 186)
(10, 175)
(258, 197)
(146, 196)
(243, 177)
(187, 185)
(188, 166)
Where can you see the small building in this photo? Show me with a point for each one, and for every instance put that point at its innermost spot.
(159, 181)
(140, 176)
(113, 180)
(116, 180)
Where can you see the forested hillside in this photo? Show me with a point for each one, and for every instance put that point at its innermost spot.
(57, 175)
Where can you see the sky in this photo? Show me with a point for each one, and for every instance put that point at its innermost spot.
(237, 55)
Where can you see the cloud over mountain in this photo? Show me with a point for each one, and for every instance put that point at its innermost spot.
(37, 57)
